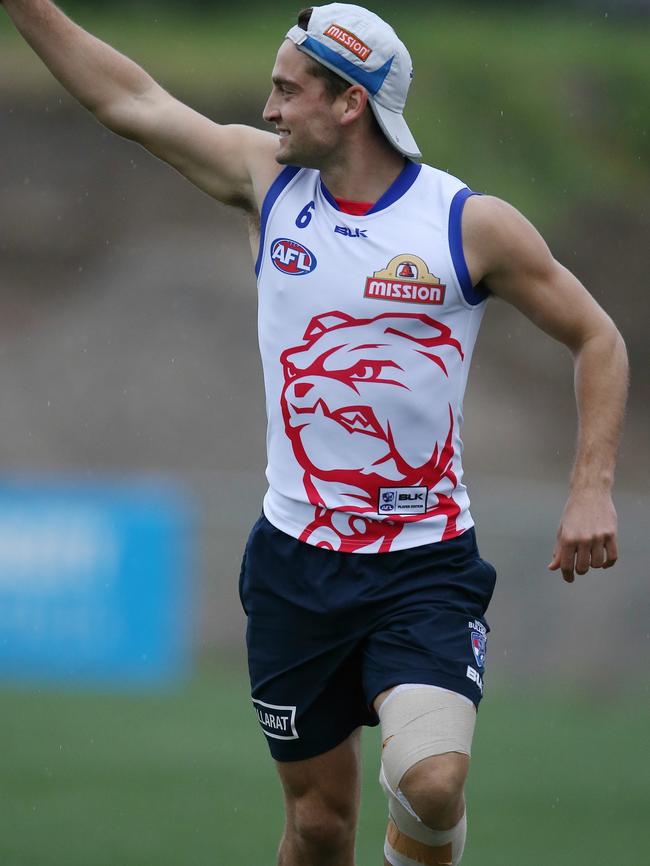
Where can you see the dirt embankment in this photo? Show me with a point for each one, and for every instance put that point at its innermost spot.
(128, 332)
(128, 313)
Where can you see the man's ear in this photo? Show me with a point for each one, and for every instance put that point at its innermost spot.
(355, 100)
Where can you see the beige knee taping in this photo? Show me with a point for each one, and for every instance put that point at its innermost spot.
(418, 722)
(422, 846)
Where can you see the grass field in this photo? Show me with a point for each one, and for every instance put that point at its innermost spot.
(184, 779)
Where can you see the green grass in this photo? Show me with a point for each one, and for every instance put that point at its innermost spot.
(184, 778)
(546, 108)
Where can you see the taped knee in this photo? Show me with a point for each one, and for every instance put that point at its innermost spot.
(418, 722)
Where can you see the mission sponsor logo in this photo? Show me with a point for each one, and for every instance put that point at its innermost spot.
(292, 258)
(406, 278)
(349, 40)
(277, 721)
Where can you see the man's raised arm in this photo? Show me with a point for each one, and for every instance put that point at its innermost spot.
(234, 164)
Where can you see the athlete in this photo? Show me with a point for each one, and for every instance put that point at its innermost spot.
(362, 582)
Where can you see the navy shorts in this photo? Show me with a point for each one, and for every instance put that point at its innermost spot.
(327, 631)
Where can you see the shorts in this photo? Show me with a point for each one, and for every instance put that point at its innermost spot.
(328, 631)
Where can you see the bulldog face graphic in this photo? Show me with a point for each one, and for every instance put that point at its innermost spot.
(354, 393)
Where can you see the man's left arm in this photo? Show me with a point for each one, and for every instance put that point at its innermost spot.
(506, 253)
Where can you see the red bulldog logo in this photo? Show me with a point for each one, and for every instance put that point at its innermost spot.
(352, 392)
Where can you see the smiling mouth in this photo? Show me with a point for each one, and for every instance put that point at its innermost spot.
(355, 419)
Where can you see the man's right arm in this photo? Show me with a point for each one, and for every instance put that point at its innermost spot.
(234, 164)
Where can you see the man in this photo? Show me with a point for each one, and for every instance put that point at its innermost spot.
(362, 582)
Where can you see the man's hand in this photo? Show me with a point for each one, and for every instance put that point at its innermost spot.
(586, 537)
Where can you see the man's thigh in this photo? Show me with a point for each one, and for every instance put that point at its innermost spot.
(434, 629)
(328, 783)
(304, 642)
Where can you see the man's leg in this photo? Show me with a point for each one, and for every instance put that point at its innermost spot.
(321, 797)
(427, 738)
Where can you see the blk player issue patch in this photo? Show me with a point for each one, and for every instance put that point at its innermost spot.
(402, 500)
(277, 721)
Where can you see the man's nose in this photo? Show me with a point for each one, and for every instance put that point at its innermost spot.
(270, 113)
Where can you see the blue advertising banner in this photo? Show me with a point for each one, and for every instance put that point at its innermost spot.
(95, 583)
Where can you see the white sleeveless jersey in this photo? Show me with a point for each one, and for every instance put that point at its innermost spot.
(366, 328)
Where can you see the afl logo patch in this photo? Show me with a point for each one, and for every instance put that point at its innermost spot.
(292, 258)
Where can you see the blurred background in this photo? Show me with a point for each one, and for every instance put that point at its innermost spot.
(133, 431)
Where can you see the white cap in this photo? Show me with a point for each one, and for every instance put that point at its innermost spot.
(363, 49)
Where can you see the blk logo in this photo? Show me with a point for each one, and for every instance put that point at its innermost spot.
(351, 233)
(292, 258)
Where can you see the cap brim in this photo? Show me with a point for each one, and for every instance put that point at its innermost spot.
(395, 129)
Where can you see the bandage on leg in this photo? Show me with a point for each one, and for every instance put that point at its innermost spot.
(418, 722)
(410, 843)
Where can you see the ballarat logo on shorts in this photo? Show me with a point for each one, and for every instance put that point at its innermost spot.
(479, 647)
(277, 721)
(406, 278)
(292, 258)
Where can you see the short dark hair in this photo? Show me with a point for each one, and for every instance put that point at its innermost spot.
(334, 84)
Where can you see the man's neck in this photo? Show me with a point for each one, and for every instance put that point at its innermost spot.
(362, 175)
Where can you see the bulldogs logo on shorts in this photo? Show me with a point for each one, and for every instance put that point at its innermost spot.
(479, 648)
(349, 394)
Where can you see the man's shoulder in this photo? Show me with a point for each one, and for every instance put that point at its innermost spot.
(443, 178)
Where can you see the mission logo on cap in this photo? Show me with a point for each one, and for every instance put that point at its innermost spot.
(349, 40)
(363, 49)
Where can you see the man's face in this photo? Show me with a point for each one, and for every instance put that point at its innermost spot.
(305, 116)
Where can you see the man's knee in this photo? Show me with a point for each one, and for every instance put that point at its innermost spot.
(427, 735)
(434, 789)
(320, 825)
(321, 797)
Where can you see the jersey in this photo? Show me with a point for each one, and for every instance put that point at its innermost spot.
(366, 329)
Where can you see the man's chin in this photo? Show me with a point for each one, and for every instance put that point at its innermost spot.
(287, 156)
